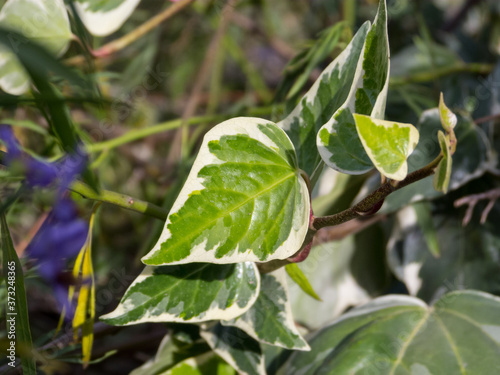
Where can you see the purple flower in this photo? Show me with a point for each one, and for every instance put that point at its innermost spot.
(63, 233)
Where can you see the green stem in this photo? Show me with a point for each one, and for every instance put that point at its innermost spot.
(120, 200)
(135, 135)
(369, 202)
(126, 40)
(441, 72)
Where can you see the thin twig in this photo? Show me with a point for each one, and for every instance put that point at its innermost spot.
(484, 119)
(471, 200)
(180, 140)
(126, 40)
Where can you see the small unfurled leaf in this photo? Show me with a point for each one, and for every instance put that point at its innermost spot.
(326, 96)
(338, 140)
(102, 18)
(50, 28)
(402, 335)
(270, 319)
(388, 144)
(188, 294)
(448, 118)
(443, 170)
(16, 306)
(298, 276)
(244, 200)
(237, 348)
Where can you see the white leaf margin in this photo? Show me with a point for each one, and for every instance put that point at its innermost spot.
(105, 23)
(214, 313)
(246, 325)
(235, 126)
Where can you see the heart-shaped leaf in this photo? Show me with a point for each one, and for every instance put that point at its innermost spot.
(388, 144)
(244, 199)
(270, 319)
(50, 28)
(237, 348)
(392, 335)
(188, 293)
(102, 18)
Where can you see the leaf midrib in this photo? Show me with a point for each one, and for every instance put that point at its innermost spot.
(227, 212)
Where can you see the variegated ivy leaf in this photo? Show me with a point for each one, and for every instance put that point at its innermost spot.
(448, 118)
(43, 21)
(188, 293)
(270, 319)
(388, 144)
(201, 365)
(443, 170)
(244, 199)
(102, 18)
(237, 348)
(329, 93)
(338, 141)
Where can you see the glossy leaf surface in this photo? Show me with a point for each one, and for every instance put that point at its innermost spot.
(244, 199)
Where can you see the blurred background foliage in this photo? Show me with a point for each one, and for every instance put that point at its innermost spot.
(216, 60)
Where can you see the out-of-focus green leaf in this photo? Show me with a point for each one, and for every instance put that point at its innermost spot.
(50, 28)
(16, 309)
(298, 276)
(402, 335)
(424, 220)
(201, 365)
(188, 293)
(270, 318)
(236, 348)
(345, 273)
(468, 256)
(244, 199)
(102, 18)
(171, 352)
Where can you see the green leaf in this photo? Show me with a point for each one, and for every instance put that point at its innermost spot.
(50, 28)
(329, 93)
(102, 18)
(170, 352)
(448, 118)
(298, 276)
(188, 293)
(237, 348)
(443, 170)
(424, 220)
(402, 335)
(345, 273)
(338, 141)
(16, 305)
(244, 200)
(201, 365)
(388, 144)
(340, 147)
(270, 318)
(468, 256)
(470, 160)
